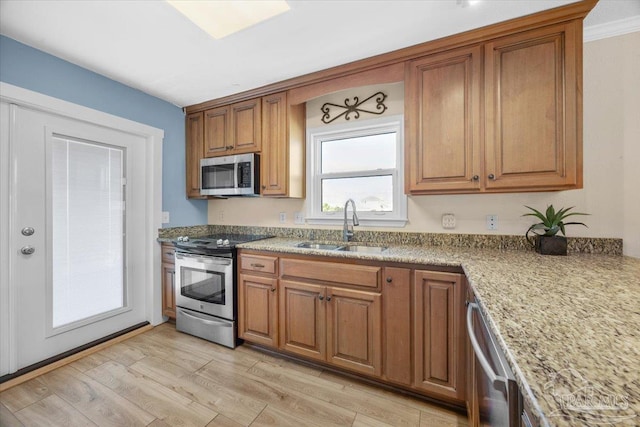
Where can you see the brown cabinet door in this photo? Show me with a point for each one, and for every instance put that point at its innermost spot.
(194, 152)
(274, 168)
(396, 325)
(217, 129)
(438, 343)
(354, 332)
(442, 98)
(246, 130)
(258, 309)
(533, 111)
(168, 290)
(302, 319)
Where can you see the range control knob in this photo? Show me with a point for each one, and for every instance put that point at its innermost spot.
(219, 242)
(185, 238)
(226, 242)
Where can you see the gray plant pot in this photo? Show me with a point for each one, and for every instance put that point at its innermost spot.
(551, 245)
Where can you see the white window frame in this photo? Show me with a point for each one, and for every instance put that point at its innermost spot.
(315, 137)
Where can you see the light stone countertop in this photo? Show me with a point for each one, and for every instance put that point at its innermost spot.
(569, 326)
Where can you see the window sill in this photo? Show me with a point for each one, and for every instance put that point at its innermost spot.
(365, 222)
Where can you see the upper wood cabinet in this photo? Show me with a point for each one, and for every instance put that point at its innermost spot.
(282, 171)
(194, 143)
(442, 117)
(531, 116)
(533, 109)
(233, 129)
(217, 130)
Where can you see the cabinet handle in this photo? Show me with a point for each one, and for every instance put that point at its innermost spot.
(389, 280)
(320, 297)
(273, 289)
(475, 178)
(257, 265)
(329, 298)
(492, 176)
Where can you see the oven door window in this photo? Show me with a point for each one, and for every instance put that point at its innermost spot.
(218, 176)
(203, 285)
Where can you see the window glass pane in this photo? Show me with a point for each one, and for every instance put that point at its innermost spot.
(359, 154)
(371, 194)
(88, 227)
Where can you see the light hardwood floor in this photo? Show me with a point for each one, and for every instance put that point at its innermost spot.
(166, 378)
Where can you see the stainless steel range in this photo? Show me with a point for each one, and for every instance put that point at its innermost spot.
(206, 286)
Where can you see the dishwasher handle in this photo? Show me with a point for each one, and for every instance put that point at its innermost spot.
(482, 358)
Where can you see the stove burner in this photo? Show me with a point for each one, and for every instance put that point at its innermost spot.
(215, 243)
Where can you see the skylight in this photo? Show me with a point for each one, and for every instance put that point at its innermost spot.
(220, 18)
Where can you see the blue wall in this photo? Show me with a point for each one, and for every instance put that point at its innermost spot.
(24, 66)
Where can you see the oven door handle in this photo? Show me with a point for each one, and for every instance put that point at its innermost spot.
(477, 350)
(204, 259)
(207, 321)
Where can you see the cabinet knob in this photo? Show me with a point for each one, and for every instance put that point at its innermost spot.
(229, 147)
(320, 297)
(329, 298)
(475, 178)
(389, 280)
(264, 187)
(273, 289)
(492, 176)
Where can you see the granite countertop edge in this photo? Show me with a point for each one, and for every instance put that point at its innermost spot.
(472, 262)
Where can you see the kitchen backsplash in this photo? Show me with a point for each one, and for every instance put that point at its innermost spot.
(485, 241)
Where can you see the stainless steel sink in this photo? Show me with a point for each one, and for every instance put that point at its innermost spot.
(364, 249)
(322, 246)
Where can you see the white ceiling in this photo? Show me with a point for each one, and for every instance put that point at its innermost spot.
(150, 46)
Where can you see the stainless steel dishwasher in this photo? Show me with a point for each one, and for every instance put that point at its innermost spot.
(496, 397)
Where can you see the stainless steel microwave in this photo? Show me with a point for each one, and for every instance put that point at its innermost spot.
(237, 175)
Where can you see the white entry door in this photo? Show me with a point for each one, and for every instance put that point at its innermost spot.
(77, 217)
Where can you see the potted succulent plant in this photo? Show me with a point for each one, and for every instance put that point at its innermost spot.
(546, 242)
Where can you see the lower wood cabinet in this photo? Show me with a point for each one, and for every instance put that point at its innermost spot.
(439, 343)
(258, 309)
(399, 325)
(396, 324)
(336, 325)
(168, 281)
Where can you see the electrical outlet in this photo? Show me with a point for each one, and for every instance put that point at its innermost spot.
(165, 217)
(448, 221)
(283, 217)
(492, 222)
(298, 218)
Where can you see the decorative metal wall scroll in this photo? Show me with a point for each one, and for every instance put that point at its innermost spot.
(354, 107)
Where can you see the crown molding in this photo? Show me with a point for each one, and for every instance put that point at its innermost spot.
(612, 29)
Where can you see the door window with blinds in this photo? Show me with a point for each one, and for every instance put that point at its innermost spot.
(87, 193)
(362, 161)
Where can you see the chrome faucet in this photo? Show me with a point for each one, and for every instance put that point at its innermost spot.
(347, 231)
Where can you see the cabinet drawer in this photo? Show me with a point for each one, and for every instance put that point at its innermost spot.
(334, 272)
(263, 264)
(168, 253)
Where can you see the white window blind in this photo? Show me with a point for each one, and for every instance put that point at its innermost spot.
(88, 228)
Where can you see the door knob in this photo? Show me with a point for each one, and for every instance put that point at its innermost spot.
(27, 250)
(28, 231)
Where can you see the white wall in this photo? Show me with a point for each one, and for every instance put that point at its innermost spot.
(611, 192)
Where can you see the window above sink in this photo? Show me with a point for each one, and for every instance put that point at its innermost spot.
(362, 161)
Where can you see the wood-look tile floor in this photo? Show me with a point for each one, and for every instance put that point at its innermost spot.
(166, 378)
